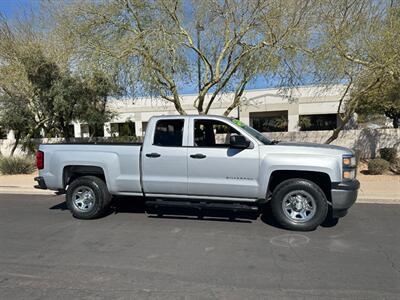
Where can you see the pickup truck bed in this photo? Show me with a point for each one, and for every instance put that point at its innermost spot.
(120, 164)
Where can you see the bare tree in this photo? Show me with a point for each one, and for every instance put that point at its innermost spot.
(354, 43)
(155, 44)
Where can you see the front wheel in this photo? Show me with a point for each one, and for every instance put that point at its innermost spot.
(88, 197)
(299, 204)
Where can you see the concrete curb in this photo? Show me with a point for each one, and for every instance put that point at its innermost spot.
(26, 192)
(378, 201)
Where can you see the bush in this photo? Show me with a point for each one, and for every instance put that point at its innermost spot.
(16, 165)
(378, 166)
(395, 167)
(389, 154)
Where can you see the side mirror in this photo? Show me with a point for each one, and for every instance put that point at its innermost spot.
(239, 142)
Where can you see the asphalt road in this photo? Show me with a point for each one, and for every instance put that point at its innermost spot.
(46, 254)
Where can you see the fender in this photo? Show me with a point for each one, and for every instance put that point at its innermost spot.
(271, 162)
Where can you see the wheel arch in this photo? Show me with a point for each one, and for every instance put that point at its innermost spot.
(72, 172)
(321, 179)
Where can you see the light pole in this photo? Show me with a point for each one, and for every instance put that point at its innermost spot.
(199, 28)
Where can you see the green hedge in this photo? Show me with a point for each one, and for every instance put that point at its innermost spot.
(395, 166)
(378, 166)
(389, 154)
(17, 165)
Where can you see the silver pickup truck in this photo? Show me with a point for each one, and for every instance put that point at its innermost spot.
(205, 161)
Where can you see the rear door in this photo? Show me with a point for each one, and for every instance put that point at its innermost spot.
(164, 157)
(216, 169)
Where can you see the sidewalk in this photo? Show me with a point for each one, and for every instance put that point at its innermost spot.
(374, 189)
(379, 189)
(20, 184)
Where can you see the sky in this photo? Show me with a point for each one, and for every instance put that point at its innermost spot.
(12, 8)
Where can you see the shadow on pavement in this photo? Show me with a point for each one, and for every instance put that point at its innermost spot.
(60, 206)
(122, 205)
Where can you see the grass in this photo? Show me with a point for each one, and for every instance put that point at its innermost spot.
(17, 165)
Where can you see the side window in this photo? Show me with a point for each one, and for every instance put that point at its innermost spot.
(169, 133)
(212, 133)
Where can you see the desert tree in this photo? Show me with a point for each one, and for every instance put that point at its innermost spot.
(356, 44)
(39, 77)
(156, 46)
(383, 100)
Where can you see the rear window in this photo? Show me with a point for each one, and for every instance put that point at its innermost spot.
(169, 133)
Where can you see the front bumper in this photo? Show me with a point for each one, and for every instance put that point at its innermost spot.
(41, 184)
(344, 194)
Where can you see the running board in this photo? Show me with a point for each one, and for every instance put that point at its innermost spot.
(230, 210)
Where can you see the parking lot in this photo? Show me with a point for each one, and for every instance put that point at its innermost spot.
(46, 254)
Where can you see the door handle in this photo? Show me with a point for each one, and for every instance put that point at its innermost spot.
(153, 154)
(198, 156)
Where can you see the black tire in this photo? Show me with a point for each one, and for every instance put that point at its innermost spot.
(316, 213)
(100, 197)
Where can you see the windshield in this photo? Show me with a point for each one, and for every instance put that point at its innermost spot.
(250, 130)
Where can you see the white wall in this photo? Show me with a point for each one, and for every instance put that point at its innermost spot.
(368, 141)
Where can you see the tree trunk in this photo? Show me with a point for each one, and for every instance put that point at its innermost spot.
(66, 133)
(396, 121)
(17, 138)
(230, 108)
(335, 133)
(177, 102)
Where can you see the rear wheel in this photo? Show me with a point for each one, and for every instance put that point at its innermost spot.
(299, 204)
(88, 197)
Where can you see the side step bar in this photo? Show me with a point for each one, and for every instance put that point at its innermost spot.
(214, 209)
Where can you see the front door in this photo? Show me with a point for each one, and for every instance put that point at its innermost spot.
(164, 158)
(216, 169)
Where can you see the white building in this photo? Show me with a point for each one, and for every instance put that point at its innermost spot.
(264, 109)
(302, 108)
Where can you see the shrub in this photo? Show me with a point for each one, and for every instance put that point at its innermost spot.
(389, 154)
(16, 165)
(378, 166)
(395, 167)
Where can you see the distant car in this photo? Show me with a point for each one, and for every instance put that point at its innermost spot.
(205, 161)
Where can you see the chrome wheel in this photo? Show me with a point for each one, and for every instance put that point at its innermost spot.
(299, 206)
(83, 198)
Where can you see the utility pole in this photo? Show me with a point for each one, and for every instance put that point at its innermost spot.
(199, 28)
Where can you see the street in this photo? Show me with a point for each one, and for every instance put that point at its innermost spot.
(47, 254)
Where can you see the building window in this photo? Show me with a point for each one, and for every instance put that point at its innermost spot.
(96, 130)
(93, 130)
(317, 122)
(144, 127)
(123, 129)
(71, 130)
(85, 131)
(3, 134)
(273, 121)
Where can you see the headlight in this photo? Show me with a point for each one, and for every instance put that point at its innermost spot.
(349, 174)
(349, 161)
(349, 167)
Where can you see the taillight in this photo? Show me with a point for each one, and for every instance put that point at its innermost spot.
(40, 160)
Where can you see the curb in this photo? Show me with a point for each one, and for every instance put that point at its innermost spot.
(25, 191)
(378, 201)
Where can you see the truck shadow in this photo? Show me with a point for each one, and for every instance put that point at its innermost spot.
(137, 205)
